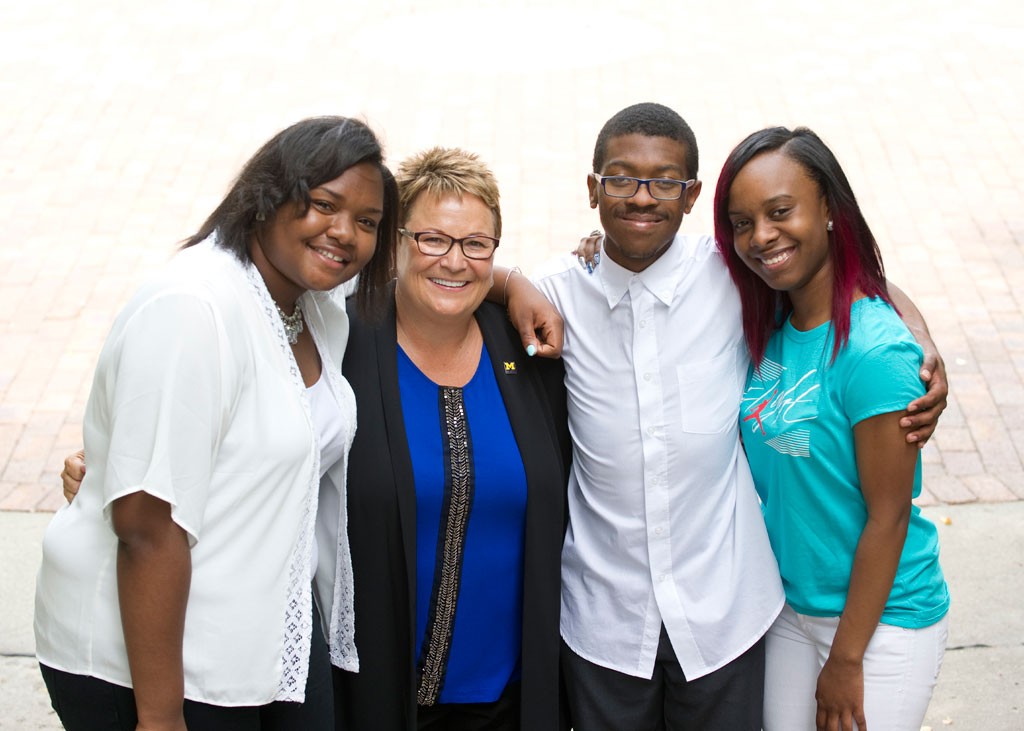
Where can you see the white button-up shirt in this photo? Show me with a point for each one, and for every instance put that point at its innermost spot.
(664, 524)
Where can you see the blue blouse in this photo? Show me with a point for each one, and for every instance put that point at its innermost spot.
(483, 644)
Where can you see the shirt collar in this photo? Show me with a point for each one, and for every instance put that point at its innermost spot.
(661, 278)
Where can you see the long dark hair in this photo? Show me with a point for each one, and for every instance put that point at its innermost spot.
(293, 162)
(856, 260)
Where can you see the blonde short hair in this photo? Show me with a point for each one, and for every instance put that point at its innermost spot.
(442, 171)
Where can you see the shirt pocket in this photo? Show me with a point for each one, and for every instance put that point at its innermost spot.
(709, 394)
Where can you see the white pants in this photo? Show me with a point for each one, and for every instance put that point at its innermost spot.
(900, 669)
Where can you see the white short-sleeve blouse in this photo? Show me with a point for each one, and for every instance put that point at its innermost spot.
(198, 401)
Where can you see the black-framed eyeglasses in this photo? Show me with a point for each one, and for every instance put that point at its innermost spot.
(436, 243)
(662, 189)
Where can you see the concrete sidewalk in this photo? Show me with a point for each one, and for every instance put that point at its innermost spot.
(980, 687)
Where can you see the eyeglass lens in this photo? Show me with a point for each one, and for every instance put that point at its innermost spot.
(438, 244)
(621, 186)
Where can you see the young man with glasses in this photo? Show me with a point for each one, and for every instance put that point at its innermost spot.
(668, 578)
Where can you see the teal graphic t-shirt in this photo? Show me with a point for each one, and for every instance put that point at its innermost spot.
(797, 419)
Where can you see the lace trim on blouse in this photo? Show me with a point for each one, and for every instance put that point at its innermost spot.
(342, 632)
(298, 619)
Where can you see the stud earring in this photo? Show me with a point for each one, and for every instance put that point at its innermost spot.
(263, 217)
(829, 226)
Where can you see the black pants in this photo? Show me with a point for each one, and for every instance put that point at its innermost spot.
(499, 715)
(729, 699)
(84, 703)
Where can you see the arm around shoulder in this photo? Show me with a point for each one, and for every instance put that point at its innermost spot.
(538, 322)
(922, 414)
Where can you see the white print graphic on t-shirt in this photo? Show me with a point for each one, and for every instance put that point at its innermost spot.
(764, 404)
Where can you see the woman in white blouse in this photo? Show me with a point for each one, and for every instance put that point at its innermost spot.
(176, 588)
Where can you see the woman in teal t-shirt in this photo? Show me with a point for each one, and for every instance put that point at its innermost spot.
(863, 632)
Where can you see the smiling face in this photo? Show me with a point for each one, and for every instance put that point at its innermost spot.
(779, 220)
(449, 286)
(639, 229)
(326, 245)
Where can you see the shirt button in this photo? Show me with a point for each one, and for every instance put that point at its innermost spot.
(657, 531)
(647, 376)
(650, 430)
(643, 324)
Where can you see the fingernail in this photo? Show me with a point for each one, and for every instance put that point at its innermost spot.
(590, 268)
(597, 258)
(531, 350)
(582, 261)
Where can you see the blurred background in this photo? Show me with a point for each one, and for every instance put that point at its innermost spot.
(122, 124)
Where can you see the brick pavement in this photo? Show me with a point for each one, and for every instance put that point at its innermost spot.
(122, 123)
